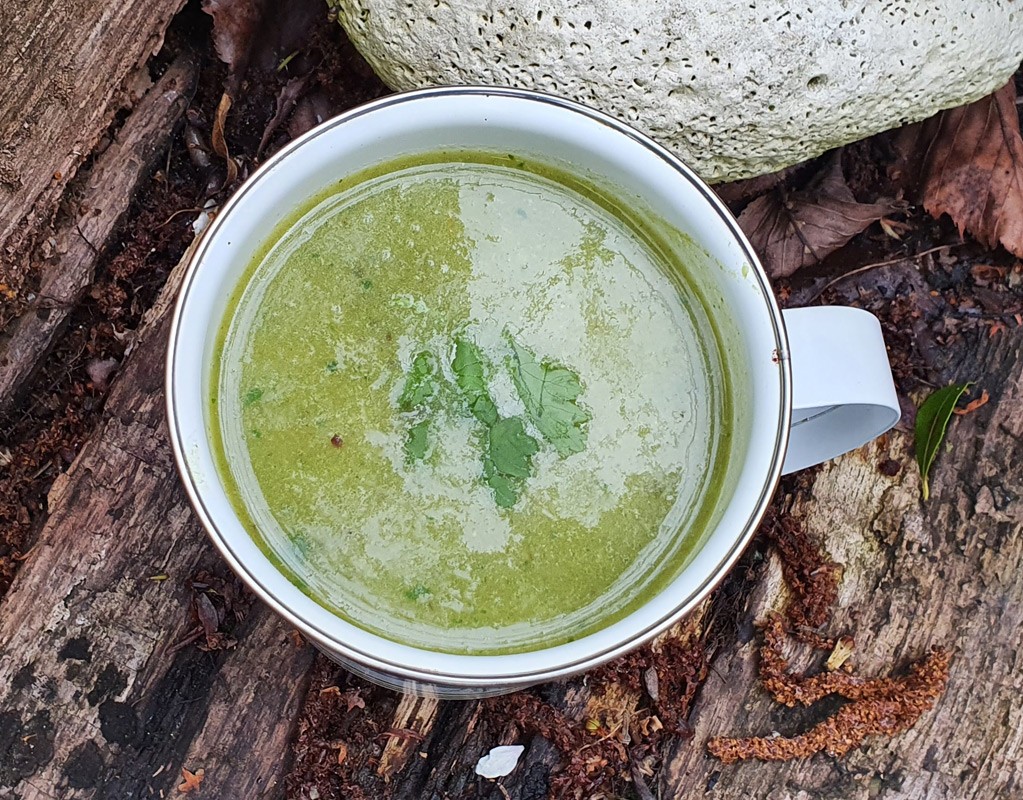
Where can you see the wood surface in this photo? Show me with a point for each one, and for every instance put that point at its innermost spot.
(68, 67)
(83, 229)
(97, 698)
(945, 573)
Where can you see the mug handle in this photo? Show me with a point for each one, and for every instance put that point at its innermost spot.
(843, 394)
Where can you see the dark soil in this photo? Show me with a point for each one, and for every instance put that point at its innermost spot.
(924, 303)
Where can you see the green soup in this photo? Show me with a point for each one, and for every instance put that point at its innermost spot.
(471, 405)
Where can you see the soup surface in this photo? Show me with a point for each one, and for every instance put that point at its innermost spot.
(468, 405)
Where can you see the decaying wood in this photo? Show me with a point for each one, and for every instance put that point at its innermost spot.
(96, 699)
(83, 230)
(413, 719)
(945, 573)
(454, 742)
(64, 65)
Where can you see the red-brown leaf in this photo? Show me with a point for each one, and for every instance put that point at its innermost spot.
(260, 33)
(973, 169)
(235, 26)
(802, 228)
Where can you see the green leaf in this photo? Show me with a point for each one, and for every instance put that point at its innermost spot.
(506, 489)
(549, 393)
(931, 423)
(471, 376)
(419, 385)
(418, 441)
(252, 396)
(508, 460)
(417, 592)
(511, 449)
(508, 448)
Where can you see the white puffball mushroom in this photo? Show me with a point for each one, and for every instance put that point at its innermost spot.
(736, 87)
(500, 761)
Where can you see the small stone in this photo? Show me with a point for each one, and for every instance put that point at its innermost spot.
(737, 87)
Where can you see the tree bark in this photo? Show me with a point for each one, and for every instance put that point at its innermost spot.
(942, 573)
(83, 230)
(66, 65)
(98, 698)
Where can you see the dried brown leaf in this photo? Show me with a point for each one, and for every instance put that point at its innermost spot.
(796, 230)
(309, 112)
(219, 141)
(258, 34)
(286, 99)
(207, 614)
(236, 24)
(353, 699)
(736, 193)
(973, 169)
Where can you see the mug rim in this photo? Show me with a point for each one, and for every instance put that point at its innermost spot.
(469, 679)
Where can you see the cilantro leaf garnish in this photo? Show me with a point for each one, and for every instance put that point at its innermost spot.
(417, 442)
(549, 393)
(510, 449)
(508, 460)
(506, 489)
(471, 376)
(417, 592)
(420, 385)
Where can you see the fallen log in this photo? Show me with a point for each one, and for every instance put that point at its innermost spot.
(83, 230)
(98, 698)
(67, 71)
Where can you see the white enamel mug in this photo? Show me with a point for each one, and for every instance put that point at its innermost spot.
(816, 381)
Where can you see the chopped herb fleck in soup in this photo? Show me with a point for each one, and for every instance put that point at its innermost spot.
(468, 405)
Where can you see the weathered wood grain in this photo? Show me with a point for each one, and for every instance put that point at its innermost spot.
(95, 700)
(65, 66)
(85, 225)
(945, 573)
